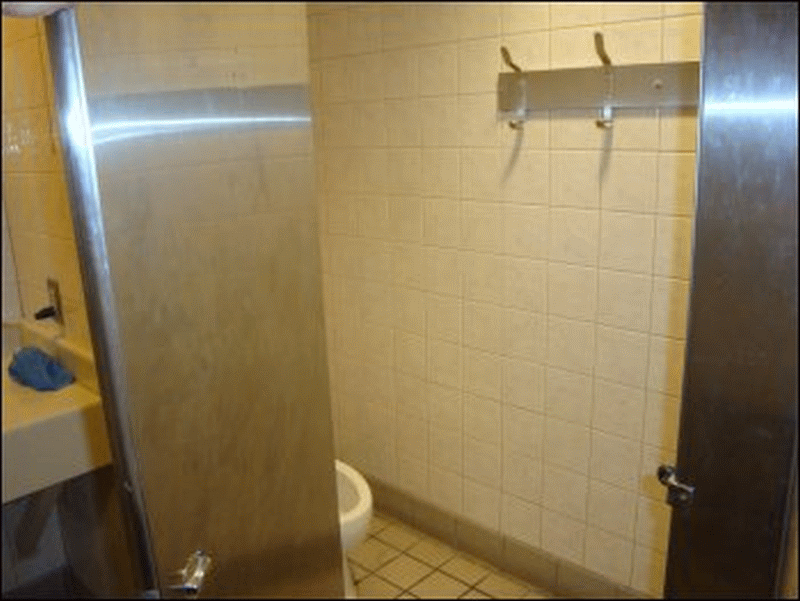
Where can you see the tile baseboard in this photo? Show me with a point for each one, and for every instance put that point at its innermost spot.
(533, 565)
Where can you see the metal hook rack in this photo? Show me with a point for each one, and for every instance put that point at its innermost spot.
(606, 88)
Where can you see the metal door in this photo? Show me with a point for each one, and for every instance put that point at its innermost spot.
(187, 140)
(738, 426)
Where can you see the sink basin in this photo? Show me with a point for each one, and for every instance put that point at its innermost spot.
(49, 437)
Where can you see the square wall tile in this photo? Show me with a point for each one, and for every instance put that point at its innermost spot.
(410, 353)
(480, 174)
(624, 300)
(670, 307)
(569, 396)
(412, 476)
(630, 11)
(484, 277)
(572, 291)
(410, 393)
(652, 524)
(523, 432)
(441, 172)
(565, 492)
(612, 462)
(525, 229)
(445, 406)
(609, 554)
(482, 462)
(446, 490)
(524, 335)
(574, 235)
(611, 508)
(443, 273)
(676, 183)
(483, 327)
(634, 42)
(523, 384)
(477, 21)
(439, 118)
(438, 70)
(673, 256)
(678, 130)
(443, 317)
(482, 227)
(667, 358)
(436, 23)
(482, 418)
(525, 177)
(661, 420)
(477, 121)
(649, 568)
(444, 363)
(524, 282)
(572, 48)
(409, 309)
(400, 73)
(531, 49)
(574, 14)
(573, 129)
(576, 179)
(626, 241)
(446, 448)
(442, 222)
(566, 445)
(517, 17)
(621, 356)
(631, 184)
(682, 38)
(412, 437)
(522, 477)
(482, 504)
(618, 409)
(521, 520)
(563, 536)
(483, 374)
(635, 129)
(570, 344)
(479, 63)
(402, 125)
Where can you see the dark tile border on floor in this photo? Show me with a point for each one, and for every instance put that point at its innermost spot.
(539, 568)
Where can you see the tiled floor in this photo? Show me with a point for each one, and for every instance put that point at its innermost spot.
(397, 561)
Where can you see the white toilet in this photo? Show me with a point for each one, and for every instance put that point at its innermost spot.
(355, 513)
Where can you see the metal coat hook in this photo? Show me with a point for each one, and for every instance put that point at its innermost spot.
(606, 119)
(516, 124)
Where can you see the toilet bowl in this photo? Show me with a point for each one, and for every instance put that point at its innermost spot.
(355, 513)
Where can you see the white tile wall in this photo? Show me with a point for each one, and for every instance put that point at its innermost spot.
(537, 280)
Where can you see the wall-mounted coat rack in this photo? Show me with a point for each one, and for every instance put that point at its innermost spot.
(656, 85)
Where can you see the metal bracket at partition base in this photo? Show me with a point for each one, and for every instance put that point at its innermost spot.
(644, 86)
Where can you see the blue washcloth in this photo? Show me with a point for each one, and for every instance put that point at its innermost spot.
(31, 367)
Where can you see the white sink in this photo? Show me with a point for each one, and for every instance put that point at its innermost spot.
(49, 437)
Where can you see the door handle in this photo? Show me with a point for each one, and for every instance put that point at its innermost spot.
(678, 493)
(193, 574)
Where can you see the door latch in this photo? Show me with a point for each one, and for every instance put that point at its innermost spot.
(678, 493)
(193, 574)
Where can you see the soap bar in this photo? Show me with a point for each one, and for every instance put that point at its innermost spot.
(35, 369)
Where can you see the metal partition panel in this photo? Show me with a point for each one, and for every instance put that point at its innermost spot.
(205, 240)
(738, 427)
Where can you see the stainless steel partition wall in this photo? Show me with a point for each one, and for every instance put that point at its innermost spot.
(738, 426)
(187, 138)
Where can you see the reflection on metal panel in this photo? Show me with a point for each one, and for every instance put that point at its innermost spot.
(738, 431)
(206, 193)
